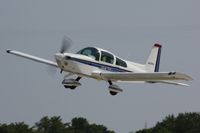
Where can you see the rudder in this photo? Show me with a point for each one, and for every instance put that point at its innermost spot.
(153, 62)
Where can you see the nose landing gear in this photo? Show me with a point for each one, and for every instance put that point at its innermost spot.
(71, 83)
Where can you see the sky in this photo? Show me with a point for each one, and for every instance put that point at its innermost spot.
(125, 27)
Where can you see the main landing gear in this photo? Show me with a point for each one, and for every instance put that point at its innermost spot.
(71, 83)
(114, 89)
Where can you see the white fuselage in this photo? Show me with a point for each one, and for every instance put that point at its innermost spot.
(85, 65)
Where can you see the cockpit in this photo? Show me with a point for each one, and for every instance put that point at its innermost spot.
(91, 52)
(101, 55)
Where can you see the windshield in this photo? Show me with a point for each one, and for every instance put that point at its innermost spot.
(91, 52)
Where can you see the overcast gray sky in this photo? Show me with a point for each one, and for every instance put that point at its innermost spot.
(128, 28)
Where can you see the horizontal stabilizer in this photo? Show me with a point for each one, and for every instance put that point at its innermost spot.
(129, 76)
(173, 83)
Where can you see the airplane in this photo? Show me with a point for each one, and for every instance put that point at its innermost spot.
(100, 64)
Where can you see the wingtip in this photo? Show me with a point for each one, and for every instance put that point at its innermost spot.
(8, 50)
(182, 76)
(188, 78)
(183, 84)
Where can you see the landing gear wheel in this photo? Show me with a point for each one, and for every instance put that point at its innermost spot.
(113, 93)
(70, 87)
(71, 83)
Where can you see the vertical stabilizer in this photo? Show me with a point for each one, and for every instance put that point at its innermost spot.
(153, 62)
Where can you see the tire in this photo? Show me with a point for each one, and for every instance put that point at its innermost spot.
(70, 87)
(113, 93)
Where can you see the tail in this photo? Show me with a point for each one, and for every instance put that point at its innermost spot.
(153, 62)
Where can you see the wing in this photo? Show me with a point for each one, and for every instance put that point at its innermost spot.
(148, 77)
(33, 58)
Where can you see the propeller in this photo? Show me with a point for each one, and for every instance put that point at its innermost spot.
(66, 44)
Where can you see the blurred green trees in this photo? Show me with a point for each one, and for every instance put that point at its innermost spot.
(183, 123)
(55, 125)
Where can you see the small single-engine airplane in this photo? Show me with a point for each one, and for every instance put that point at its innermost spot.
(100, 64)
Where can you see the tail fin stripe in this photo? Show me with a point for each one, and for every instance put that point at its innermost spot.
(158, 59)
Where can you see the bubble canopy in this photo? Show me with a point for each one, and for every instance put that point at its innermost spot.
(102, 55)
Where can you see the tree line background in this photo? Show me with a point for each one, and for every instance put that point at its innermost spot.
(183, 123)
(55, 125)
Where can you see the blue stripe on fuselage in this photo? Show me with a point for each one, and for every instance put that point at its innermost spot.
(99, 65)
